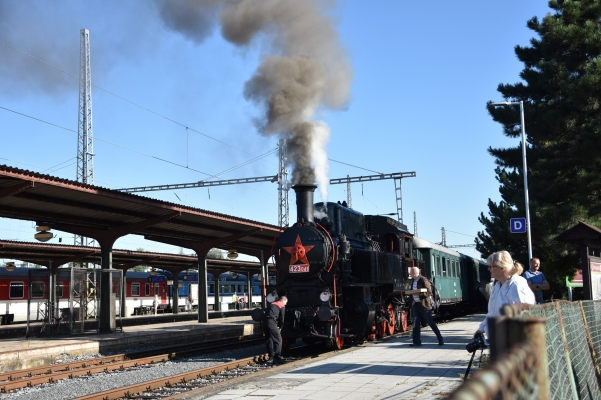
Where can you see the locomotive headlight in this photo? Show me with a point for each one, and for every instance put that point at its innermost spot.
(324, 296)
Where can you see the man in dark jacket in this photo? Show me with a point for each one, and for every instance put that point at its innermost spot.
(422, 307)
(274, 321)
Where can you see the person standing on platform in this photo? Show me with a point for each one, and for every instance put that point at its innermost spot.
(274, 321)
(509, 287)
(155, 304)
(536, 280)
(422, 308)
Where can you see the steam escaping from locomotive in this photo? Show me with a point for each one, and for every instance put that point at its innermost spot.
(308, 70)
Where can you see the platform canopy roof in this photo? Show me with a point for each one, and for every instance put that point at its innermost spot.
(98, 212)
(60, 255)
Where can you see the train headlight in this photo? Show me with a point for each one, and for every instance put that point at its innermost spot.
(324, 296)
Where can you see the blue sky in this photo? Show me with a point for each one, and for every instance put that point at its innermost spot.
(423, 72)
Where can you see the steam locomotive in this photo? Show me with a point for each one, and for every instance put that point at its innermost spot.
(345, 274)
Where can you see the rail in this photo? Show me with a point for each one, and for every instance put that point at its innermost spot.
(548, 351)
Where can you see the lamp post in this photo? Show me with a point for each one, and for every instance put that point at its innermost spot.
(525, 169)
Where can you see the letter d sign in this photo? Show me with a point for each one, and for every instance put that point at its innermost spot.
(517, 225)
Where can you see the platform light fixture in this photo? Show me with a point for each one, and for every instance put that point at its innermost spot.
(232, 254)
(43, 234)
(10, 266)
(525, 169)
(153, 271)
(234, 275)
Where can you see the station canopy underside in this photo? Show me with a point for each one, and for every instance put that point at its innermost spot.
(106, 215)
(60, 255)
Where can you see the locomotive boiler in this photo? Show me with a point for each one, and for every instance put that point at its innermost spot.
(344, 274)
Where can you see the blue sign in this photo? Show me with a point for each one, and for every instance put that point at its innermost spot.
(517, 225)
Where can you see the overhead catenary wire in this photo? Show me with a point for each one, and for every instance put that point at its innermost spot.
(355, 166)
(126, 100)
(459, 233)
(106, 141)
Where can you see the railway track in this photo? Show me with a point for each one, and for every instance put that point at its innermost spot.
(192, 383)
(165, 387)
(120, 362)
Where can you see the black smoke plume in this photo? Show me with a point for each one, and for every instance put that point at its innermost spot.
(307, 69)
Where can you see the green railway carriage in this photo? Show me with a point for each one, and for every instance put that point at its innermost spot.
(443, 268)
(476, 271)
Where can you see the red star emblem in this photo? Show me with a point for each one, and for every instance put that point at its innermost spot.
(298, 251)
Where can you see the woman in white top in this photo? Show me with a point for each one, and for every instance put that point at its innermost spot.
(509, 286)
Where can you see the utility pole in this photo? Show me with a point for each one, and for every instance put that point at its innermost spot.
(444, 237)
(85, 136)
(283, 187)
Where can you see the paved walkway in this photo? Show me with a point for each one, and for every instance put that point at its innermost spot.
(389, 369)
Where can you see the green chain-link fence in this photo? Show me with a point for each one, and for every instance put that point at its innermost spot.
(572, 331)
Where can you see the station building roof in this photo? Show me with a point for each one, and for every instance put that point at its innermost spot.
(58, 254)
(83, 209)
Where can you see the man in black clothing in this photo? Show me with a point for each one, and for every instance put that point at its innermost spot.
(274, 321)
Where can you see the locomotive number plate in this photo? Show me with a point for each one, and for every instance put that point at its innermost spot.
(299, 268)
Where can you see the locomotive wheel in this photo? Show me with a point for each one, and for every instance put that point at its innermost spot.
(401, 322)
(338, 341)
(391, 315)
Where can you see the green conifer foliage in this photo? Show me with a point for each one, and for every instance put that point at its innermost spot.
(561, 91)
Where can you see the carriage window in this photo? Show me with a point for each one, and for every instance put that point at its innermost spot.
(450, 268)
(457, 269)
(37, 290)
(211, 288)
(147, 291)
(59, 290)
(453, 268)
(438, 266)
(156, 289)
(135, 289)
(17, 290)
(240, 288)
(245, 288)
(444, 267)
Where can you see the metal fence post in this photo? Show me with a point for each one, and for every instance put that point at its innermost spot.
(532, 330)
(497, 329)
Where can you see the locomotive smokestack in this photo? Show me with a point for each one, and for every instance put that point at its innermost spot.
(304, 202)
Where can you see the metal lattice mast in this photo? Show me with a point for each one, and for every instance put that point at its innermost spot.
(283, 214)
(349, 193)
(415, 224)
(85, 137)
(397, 185)
(444, 237)
(399, 200)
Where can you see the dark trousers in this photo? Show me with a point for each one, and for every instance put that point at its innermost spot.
(274, 338)
(418, 316)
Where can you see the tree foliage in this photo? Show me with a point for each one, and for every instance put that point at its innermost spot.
(561, 91)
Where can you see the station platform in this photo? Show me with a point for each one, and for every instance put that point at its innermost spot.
(18, 330)
(18, 353)
(387, 369)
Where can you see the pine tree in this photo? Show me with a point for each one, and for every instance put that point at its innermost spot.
(561, 91)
